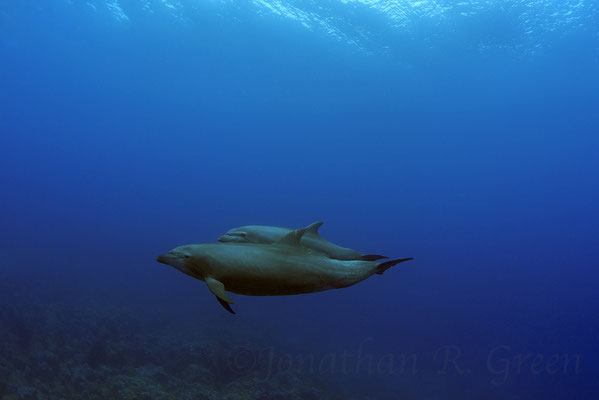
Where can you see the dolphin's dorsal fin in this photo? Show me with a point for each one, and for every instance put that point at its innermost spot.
(313, 228)
(292, 238)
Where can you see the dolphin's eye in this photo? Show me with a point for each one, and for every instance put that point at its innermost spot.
(187, 256)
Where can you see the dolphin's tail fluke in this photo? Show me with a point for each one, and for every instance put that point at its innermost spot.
(382, 267)
(371, 257)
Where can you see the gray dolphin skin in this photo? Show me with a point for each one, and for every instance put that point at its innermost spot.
(311, 239)
(282, 268)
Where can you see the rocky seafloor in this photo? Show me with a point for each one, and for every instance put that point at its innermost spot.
(50, 352)
(65, 349)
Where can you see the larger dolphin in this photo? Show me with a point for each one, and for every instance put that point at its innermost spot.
(282, 268)
(311, 239)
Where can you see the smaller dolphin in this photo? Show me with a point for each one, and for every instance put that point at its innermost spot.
(282, 268)
(311, 239)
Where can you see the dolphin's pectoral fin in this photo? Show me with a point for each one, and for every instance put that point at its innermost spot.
(313, 228)
(225, 305)
(218, 289)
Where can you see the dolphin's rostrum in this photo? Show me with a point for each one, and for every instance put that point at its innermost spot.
(281, 268)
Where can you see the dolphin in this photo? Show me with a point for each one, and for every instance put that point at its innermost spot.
(282, 268)
(311, 239)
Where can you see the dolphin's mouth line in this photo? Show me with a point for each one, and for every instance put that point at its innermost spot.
(232, 237)
(162, 259)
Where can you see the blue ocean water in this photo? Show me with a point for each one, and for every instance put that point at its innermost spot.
(463, 134)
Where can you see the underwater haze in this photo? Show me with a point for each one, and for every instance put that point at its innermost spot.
(464, 134)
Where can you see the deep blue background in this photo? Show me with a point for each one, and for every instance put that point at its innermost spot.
(121, 140)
